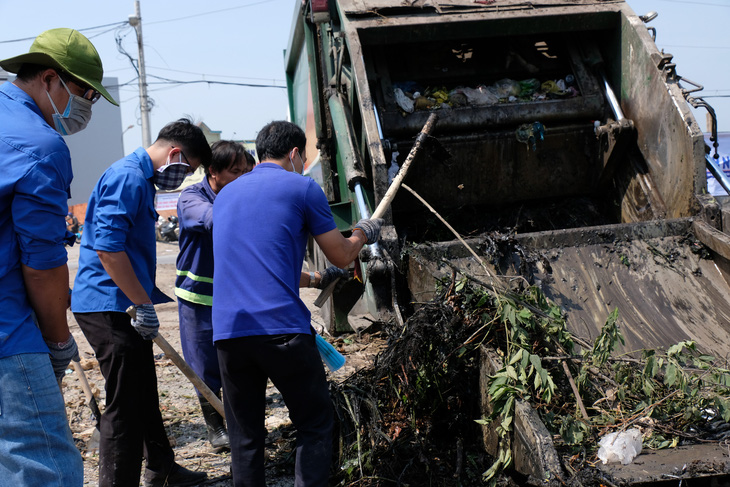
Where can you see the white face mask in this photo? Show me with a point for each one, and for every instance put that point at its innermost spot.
(76, 115)
(294, 169)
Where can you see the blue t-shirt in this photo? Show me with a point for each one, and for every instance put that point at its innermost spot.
(120, 216)
(262, 221)
(35, 177)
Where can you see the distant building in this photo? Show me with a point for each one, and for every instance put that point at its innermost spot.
(96, 147)
(93, 149)
(210, 135)
(250, 146)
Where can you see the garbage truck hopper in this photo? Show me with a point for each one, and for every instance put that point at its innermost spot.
(574, 160)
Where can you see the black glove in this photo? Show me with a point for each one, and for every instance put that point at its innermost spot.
(146, 322)
(62, 354)
(371, 228)
(329, 275)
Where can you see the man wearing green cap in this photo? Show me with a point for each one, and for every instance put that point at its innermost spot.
(57, 83)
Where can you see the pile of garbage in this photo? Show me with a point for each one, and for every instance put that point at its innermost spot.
(412, 417)
(410, 96)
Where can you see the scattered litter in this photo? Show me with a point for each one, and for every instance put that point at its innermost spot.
(530, 133)
(621, 446)
(410, 97)
(479, 96)
(405, 103)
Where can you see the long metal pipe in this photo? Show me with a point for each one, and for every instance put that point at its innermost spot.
(362, 208)
(719, 174)
(612, 100)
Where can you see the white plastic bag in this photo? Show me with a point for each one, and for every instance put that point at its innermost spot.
(479, 96)
(405, 103)
(621, 446)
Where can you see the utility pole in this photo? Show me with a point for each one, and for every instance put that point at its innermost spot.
(136, 22)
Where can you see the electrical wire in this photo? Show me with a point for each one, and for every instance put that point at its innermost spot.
(207, 13)
(117, 24)
(210, 82)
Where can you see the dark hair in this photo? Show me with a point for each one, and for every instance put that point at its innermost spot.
(28, 71)
(276, 139)
(250, 159)
(189, 137)
(226, 154)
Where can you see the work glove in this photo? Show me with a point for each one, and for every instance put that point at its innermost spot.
(371, 228)
(329, 275)
(146, 322)
(61, 355)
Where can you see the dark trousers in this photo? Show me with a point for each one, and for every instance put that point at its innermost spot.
(293, 364)
(196, 339)
(131, 425)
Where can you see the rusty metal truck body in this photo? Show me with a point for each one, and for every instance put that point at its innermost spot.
(605, 176)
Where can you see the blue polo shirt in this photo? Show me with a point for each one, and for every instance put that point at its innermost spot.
(261, 223)
(120, 216)
(35, 177)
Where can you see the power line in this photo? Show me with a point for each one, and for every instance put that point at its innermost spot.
(210, 82)
(208, 13)
(116, 24)
(216, 75)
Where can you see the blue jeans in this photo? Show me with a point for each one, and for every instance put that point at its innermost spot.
(36, 446)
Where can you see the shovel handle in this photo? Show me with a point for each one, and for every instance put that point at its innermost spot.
(90, 399)
(326, 293)
(181, 364)
(189, 373)
(398, 179)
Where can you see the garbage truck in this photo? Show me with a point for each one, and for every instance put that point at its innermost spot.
(560, 123)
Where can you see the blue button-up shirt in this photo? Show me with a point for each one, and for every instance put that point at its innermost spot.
(35, 176)
(120, 216)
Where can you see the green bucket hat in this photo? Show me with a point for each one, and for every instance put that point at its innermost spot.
(67, 50)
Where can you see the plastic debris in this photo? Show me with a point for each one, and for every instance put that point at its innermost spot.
(528, 87)
(505, 88)
(423, 103)
(394, 167)
(410, 97)
(530, 133)
(330, 356)
(405, 103)
(621, 446)
(479, 96)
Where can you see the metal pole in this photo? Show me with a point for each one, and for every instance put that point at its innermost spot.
(719, 174)
(136, 22)
(364, 213)
(612, 100)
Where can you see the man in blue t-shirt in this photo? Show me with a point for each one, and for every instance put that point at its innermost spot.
(261, 327)
(58, 81)
(117, 263)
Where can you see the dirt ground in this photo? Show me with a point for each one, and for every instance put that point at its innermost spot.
(178, 401)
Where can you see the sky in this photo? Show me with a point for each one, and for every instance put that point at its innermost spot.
(191, 46)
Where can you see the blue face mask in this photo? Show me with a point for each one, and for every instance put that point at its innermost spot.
(76, 115)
